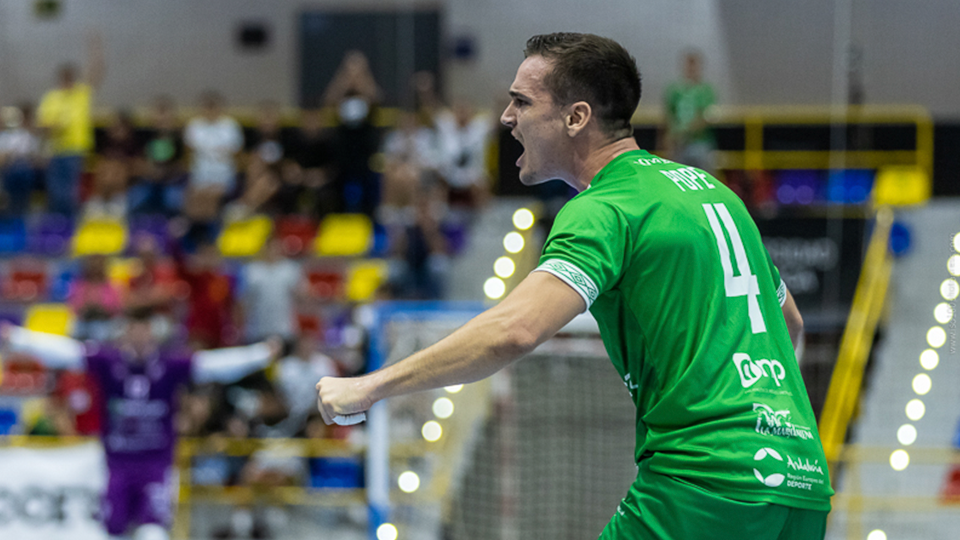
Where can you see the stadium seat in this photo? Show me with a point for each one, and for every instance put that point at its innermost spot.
(244, 238)
(100, 237)
(296, 233)
(49, 235)
(902, 185)
(25, 282)
(344, 235)
(155, 226)
(325, 284)
(13, 236)
(364, 278)
(50, 318)
(119, 271)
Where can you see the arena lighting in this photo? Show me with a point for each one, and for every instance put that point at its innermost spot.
(523, 219)
(442, 408)
(877, 534)
(408, 482)
(494, 288)
(513, 242)
(943, 313)
(915, 409)
(453, 389)
(432, 431)
(929, 359)
(504, 267)
(936, 337)
(956, 242)
(949, 289)
(907, 434)
(387, 531)
(922, 384)
(953, 265)
(899, 460)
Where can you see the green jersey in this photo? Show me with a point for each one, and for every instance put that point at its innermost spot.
(688, 302)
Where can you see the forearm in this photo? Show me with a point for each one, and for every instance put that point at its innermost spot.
(57, 352)
(480, 348)
(230, 364)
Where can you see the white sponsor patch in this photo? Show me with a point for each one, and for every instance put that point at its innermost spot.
(751, 371)
(777, 423)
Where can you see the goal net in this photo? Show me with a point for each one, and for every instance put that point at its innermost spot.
(543, 449)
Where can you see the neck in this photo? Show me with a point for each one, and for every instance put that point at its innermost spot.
(599, 158)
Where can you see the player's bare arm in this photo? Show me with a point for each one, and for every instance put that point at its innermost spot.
(794, 321)
(539, 306)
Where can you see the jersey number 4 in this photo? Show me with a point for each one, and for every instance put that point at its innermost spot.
(744, 284)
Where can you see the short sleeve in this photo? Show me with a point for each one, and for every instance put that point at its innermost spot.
(777, 279)
(586, 248)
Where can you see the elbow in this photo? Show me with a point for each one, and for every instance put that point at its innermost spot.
(517, 340)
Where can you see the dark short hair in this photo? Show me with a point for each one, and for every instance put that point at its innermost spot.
(594, 69)
(141, 314)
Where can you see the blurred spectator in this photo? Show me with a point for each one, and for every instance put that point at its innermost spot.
(19, 158)
(65, 114)
(426, 101)
(311, 148)
(79, 397)
(160, 181)
(271, 286)
(411, 156)
(423, 251)
(121, 156)
(94, 300)
(210, 309)
(355, 95)
(214, 139)
(153, 285)
(267, 161)
(297, 376)
(464, 136)
(688, 138)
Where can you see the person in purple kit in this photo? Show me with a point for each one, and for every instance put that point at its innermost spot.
(139, 382)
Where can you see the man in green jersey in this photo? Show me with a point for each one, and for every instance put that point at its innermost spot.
(691, 310)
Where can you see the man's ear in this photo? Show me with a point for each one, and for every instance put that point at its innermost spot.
(578, 116)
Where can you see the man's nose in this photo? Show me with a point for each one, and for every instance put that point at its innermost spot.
(507, 118)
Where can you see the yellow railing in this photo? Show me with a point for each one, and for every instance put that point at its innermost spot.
(868, 300)
(854, 503)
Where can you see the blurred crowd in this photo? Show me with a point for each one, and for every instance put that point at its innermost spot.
(195, 171)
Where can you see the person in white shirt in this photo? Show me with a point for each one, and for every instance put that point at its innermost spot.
(269, 290)
(464, 136)
(19, 153)
(214, 140)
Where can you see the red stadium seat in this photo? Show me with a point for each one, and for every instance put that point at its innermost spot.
(295, 233)
(326, 284)
(25, 282)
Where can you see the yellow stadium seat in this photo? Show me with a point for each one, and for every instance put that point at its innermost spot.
(245, 238)
(50, 318)
(899, 185)
(120, 271)
(100, 236)
(364, 278)
(344, 235)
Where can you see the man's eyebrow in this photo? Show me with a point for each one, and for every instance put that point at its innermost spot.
(517, 95)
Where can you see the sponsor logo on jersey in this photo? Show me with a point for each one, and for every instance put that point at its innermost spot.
(804, 480)
(751, 371)
(773, 480)
(777, 423)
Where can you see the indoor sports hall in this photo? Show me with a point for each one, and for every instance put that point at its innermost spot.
(267, 193)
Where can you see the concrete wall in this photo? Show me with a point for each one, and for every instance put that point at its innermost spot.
(757, 51)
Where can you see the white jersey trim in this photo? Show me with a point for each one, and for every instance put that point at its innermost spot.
(577, 279)
(782, 293)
